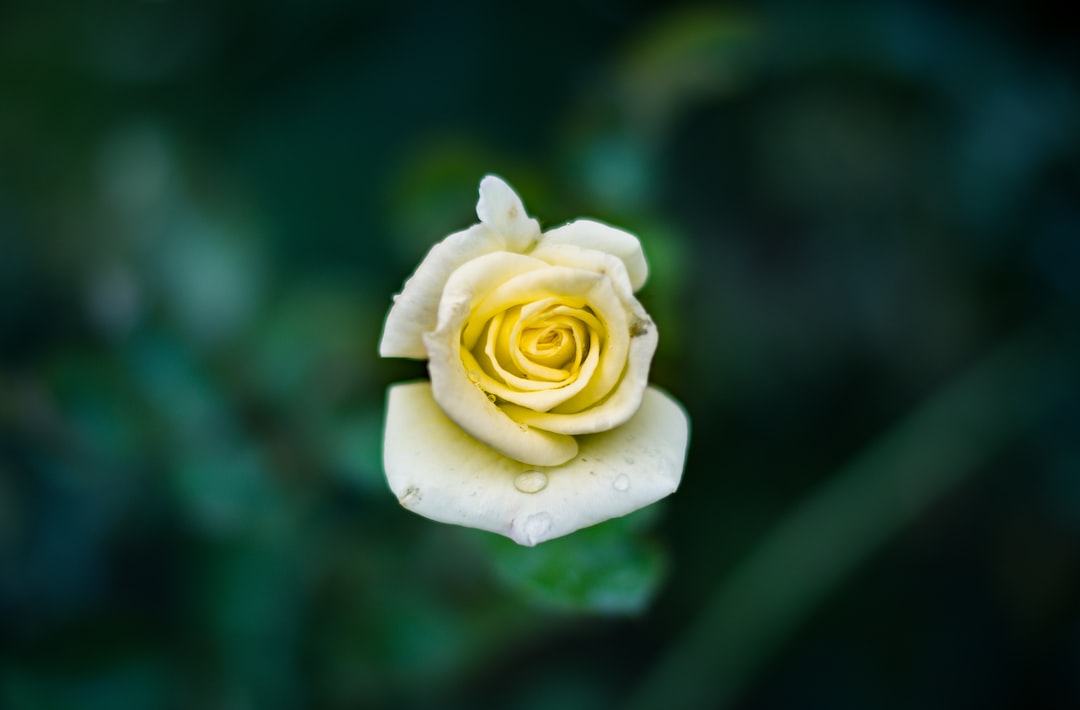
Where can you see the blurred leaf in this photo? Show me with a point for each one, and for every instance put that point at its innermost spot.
(435, 192)
(670, 256)
(135, 682)
(250, 606)
(354, 447)
(314, 345)
(857, 509)
(609, 568)
(98, 407)
(178, 390)
(227, 490)
(616, 170)
(210, 272)
(687, 55)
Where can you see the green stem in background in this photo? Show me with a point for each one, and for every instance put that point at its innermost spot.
(856, 510)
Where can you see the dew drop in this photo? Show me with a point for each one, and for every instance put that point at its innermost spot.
(531, 481)
(473, 377)
(523, 427)
(536, 527)
(491, 398)
(621, 482)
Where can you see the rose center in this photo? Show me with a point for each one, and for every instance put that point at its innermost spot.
(539, 345)
(549, 346)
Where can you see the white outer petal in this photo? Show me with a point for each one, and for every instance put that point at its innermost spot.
(437, 470)
(502, 211)
(596, 235)
(416, 308)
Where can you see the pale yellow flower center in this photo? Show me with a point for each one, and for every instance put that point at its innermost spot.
(538, 346)
(552, 340)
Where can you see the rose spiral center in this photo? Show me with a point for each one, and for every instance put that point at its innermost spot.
(552, 346)
(541, 345)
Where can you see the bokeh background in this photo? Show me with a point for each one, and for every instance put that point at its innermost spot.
(863, 222)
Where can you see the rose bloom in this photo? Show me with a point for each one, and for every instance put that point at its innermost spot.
(538, 419)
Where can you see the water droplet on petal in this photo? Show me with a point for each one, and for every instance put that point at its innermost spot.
(531, 481)
(523, 427)
(621, 482)
(473, 377)
(491, 398)
(536, 527)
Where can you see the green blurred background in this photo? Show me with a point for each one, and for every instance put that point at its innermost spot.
(863, 222)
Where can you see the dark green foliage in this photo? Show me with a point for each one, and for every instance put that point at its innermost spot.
(863, 227)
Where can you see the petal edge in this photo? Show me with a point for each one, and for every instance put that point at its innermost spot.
(500, 208)
(416, 309)
(438, 471)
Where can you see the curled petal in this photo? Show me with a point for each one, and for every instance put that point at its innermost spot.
(611, 412)
(605, 403)
(502, 211)
(588, 286)
(438, 471)
(590, 234)
(416, 308)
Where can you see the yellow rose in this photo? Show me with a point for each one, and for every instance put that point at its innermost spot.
(539, 356)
